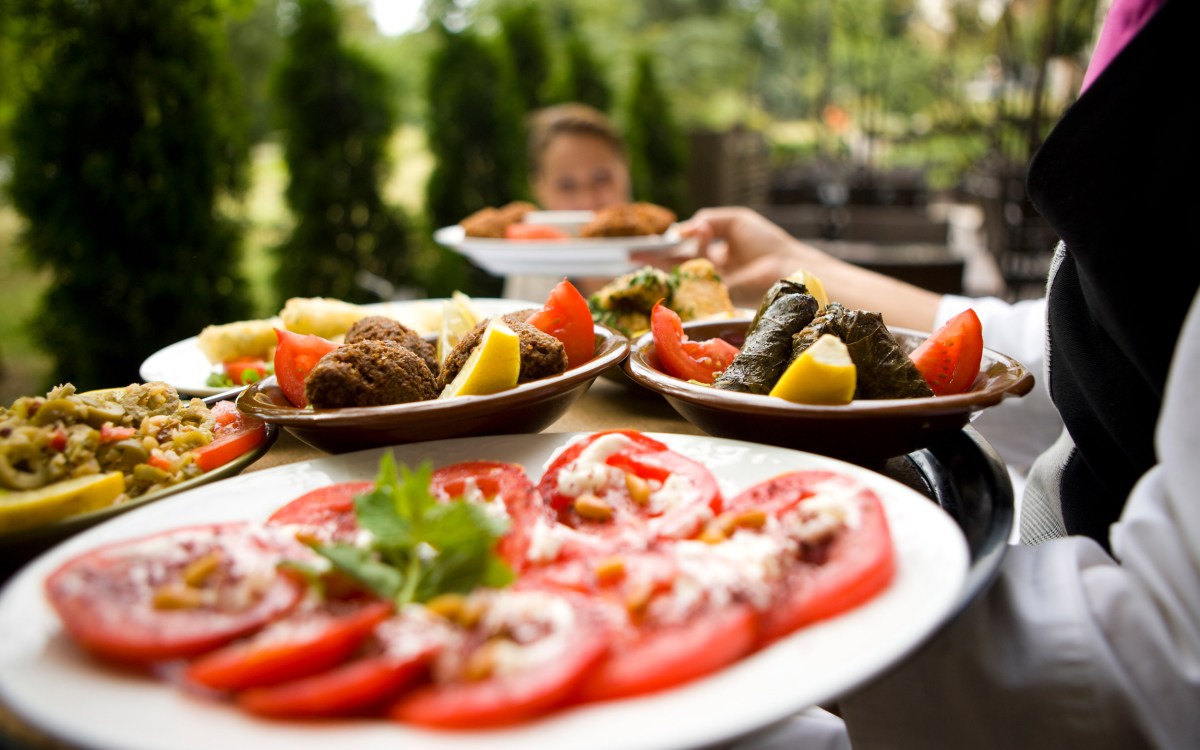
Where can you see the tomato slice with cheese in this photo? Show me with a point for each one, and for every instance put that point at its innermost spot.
(504, 490)
(177, 593)
(309, 640)
(395, 656)
(527, 653)
(325, 514)
(834, 547)
(629, 487)
(673, 617)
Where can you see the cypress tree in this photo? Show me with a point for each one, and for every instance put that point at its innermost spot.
(656, 146)
(121, 151)
(581, 78)
(475, 136)
(336, 120)
(523, 29)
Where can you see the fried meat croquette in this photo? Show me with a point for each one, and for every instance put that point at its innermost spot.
(491, 222)
(542, 355)
(371, 372)
(629, 220)
(381, 328)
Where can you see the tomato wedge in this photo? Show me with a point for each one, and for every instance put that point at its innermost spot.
(550, 641)
(846, 552)
(397, 655)
(295, 356)
(949, 359)
(307, 641)
(701, 361)
(567, 317)
(522, 231)
(616, 481)
(175, 594)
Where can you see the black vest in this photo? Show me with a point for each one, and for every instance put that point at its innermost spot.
(1116, 179)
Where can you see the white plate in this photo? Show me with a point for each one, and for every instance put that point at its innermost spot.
(576, 256)
(44, 679)
(184, 366)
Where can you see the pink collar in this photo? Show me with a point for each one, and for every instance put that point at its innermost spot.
(1123, 21)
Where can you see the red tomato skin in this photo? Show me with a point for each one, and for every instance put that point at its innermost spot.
(318, 642)
(567, 317)
(224, 448)
(950, 358)
(296, 355)
(354, 687)
(114, 617)
(658, 658)
(522, 231)
(647, 458)
(514, 698)
(854, 567)
(326, 513)
(701, 361)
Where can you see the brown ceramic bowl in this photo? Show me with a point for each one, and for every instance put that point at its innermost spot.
(530, 407)
(863, 431)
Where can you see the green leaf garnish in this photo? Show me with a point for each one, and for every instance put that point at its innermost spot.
(419, 547)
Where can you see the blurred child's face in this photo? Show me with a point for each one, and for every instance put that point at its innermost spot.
(581, 172)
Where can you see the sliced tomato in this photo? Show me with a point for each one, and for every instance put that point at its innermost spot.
(175, 594)
(505, 484)
(307, 641)
(326, 513)
(567, 317)
(228, 445)
(522, 231)
(397, 655)
(246, 370)
(295, 356)
(642, 485)
(550, 640)
(845, 551)
(225, 414)
(701, 361)
(110, 433)
(949, 359)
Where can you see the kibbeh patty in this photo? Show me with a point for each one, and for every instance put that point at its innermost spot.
(372, 372)
(380, 328)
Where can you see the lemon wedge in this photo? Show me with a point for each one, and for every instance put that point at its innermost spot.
(822, 374)
(814, 285)
(458, 318)
(26, 509)
(492, 366)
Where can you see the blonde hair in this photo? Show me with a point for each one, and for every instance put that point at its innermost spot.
(577, 119)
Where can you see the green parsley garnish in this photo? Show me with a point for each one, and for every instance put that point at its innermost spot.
(419, 547)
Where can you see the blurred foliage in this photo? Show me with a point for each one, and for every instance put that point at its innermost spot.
(336, 121)
(523, 30)
(656, 146)
(474, 131)
(122, 147)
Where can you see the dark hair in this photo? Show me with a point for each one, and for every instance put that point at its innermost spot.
(547, 124)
